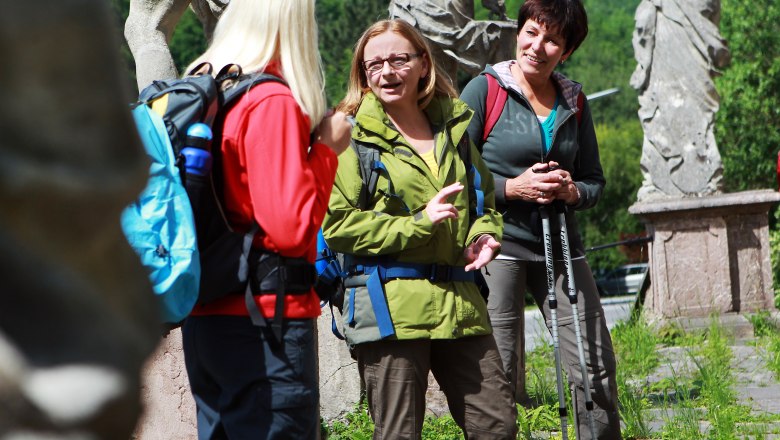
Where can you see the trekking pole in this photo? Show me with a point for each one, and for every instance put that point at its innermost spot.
(553, 302)
(561, 209)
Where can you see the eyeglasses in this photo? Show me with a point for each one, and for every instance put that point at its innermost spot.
(396, 60)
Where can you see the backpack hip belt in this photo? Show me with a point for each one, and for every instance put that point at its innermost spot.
(282, 276)
(373, 273)
(272, 270)
(360, 270)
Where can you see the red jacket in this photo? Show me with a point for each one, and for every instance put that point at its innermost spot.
(271, 177)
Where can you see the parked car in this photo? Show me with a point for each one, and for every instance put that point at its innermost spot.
(624, 280)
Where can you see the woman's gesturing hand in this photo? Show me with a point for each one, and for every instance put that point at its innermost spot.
(481, 252)
(439, 209)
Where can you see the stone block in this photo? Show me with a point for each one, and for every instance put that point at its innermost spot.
(709, 254)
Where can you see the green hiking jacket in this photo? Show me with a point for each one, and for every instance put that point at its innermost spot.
(394, 225)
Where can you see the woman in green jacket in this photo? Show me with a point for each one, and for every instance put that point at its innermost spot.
(412, 305)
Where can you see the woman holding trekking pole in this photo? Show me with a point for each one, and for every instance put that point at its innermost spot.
(542, 151)
(414, 248)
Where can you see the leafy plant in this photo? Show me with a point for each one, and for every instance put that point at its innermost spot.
(543, 418)
(441, 428)
(356, 425)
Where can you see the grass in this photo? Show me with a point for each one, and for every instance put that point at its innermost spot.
(672, 384)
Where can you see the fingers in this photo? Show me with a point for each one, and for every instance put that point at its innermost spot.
(547, 182)
(438, 210)
(441, 211)
(481, 260)
(446, 192)
(334, 131)
(481, 252)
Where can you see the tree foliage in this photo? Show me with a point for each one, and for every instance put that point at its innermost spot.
(340, 25)
(747, 126)
(620, 147)
(748, 123)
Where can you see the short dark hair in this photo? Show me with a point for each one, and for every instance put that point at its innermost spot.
(566, 17)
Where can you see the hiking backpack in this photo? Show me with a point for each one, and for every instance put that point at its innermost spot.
(177, 225)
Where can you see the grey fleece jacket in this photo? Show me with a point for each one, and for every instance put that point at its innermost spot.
(515, 144)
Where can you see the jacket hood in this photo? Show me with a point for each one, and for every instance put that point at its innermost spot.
(569, 89)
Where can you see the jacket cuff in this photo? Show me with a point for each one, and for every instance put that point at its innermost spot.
(500, 189)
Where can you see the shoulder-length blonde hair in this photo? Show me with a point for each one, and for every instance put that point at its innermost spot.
(253, 33)
(436, 83)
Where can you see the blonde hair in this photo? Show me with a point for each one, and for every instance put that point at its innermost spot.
(253, 33)
(436, 83)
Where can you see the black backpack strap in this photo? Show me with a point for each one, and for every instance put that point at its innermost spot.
(369, 172)
(234, 86)
(368, 156)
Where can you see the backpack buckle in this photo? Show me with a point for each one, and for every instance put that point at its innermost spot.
(440, 273)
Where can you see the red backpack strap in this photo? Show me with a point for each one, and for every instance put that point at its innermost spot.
(494, 104)
(580, 105)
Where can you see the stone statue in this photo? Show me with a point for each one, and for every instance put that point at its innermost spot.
(457, 40)
(77, 314)
(679, 50)
(149, 28)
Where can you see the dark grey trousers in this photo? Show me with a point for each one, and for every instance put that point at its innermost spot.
(468, 370)
(508, 282)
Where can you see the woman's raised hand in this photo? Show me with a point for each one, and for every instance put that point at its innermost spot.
(334, 131)
(439, 209)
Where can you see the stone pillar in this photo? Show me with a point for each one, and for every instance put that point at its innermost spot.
(709, 254)
(339, 377)
(169, 409)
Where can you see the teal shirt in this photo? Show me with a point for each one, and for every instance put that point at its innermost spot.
(548, 125)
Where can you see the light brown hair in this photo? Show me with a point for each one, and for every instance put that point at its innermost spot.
(433, 84)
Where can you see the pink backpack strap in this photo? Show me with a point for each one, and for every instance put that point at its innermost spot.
(494, 104)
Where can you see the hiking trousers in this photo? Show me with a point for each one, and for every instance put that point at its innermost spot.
(468, 370)
(247, 388)
(508, 282)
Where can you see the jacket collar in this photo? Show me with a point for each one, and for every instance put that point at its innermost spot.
(568, 88)
(442, 112)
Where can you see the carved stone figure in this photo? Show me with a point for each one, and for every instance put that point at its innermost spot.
(77, 314)
(679, 50)
(457, 40)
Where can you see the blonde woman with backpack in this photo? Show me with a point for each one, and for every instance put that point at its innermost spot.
(251, 358)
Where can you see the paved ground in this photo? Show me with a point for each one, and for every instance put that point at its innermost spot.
(615, 309)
